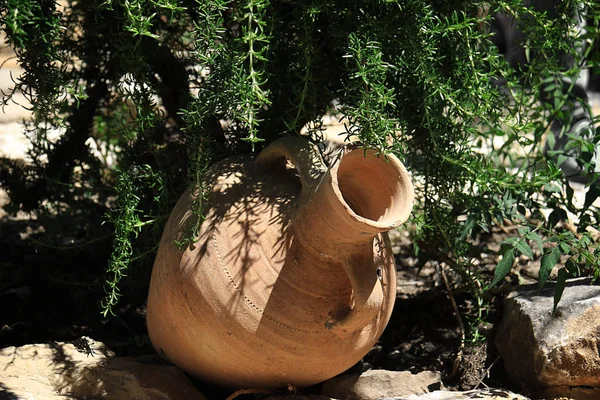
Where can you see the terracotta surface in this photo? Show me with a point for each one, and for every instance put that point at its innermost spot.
(291, 279)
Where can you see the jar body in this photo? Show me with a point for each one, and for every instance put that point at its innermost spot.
(250, 303)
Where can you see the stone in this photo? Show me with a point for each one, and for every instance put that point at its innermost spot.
(545, 350)
(375, 384)
(568, 393)
(87, 370)
(298, 397)
(481, 394)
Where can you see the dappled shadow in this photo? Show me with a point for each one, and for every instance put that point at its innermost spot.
(50, 369)
(6, 394)
(285, 267)
(421, 335)
(248, 221)
(232, 264)
(70, 375)
(89, 370)
(51, 291)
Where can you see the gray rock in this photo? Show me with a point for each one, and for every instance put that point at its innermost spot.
(87, 370)
(298, 397)
(545, 350)
(564, 392)
(377, 384)
(482, 394)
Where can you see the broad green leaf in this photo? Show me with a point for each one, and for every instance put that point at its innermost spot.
(552, 188)
(520, 217)
(561, 159)
(572, 268)
(591, 196)
(557, 215)
(520, 245)
(550, 80)
(553, 153)
(468, 227)
(511, 241)
(561, 282)
(584, 240)
(504, 266)
(565, 248)
(534, 237)
(553, 219)
(524, 248)
(548, 262)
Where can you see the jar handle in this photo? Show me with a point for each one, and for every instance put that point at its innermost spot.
(300, 152)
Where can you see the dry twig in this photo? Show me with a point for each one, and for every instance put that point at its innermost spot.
(461, 326)
(248, 391)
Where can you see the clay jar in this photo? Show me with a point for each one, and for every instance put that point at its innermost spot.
(291, 279)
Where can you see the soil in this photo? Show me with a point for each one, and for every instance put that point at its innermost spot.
(53, 295)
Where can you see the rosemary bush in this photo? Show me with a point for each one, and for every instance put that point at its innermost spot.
(164, 88)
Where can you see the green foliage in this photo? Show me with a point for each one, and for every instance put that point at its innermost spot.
(561, 281)
(128, 221)
(167, 86)
(504, 266)
(548, 262)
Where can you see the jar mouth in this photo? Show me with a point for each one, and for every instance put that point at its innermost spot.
(375, 189)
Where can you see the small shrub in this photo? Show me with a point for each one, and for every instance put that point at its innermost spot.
(149, 81)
